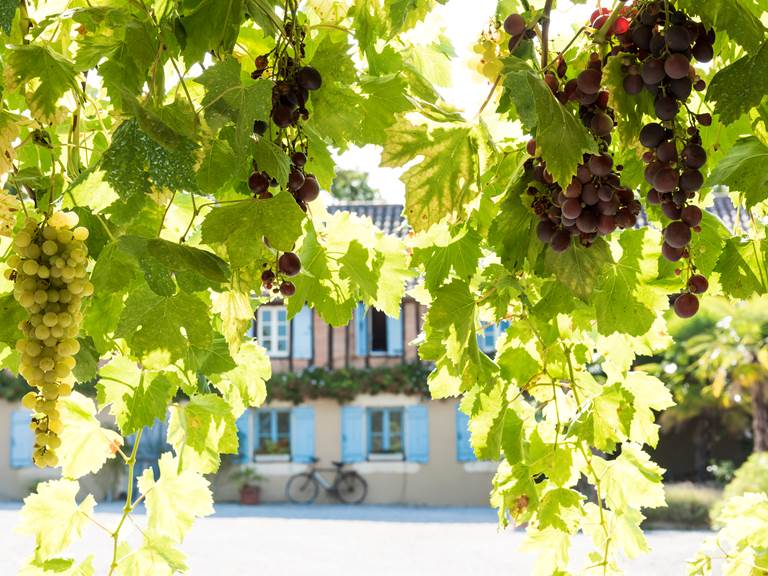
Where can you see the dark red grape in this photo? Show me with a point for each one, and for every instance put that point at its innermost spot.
(514, 24)
(267, 276)
(259, 127)
(583, 174)
(289, 264)
(666, 107)
(310, 190)
(698, 284)
(606, 224)
(653, 196)
(530, 147)
(625, 219)
(686, 305)
(620, 26)
(545, 230)
(633, 84)
(677, 38)
(677, 66)
(601, 124)
(691, 215)
(309, 78)
(671, 210)
(641, 36)
(705, 118)
(258, 182)
(703, 51)
(680, 88)
(551, 80)
(651, 135)
(677, 234)
(657, 45)
(561, 240)
(573, 190)
(600, 165)
(571, 208)
(608, 207)
(691, 180)
(604, 193)
(699, 85)
(287, 288)
(282, 116)
(694, 156)
(665, 180)
(653, 71)
(587, 222)
(670, 253)
(589, 194)
(666, 152)
(589, 81)
(295, 179)
(299, 159)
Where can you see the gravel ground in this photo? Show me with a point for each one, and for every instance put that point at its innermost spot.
(339, 541)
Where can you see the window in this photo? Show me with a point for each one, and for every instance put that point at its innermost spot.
(385, 430)
(272, 330)
(489, 336)
(378, 327)
(272, 432)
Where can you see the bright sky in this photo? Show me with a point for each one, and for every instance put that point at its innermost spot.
(462, 21)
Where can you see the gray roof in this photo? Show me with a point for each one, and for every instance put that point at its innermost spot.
(389, 217)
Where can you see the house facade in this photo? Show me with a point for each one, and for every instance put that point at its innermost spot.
(409, 448)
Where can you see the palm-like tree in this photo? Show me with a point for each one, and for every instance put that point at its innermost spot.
(722, 359)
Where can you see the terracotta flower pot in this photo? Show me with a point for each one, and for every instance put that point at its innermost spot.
(250, 495)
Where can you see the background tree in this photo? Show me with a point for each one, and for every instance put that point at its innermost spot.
(352, 185)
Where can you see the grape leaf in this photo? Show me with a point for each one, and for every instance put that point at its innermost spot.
(174, 499)
(740, 19)
(227, 99)
(386, 98)
(270, 158)
(742, 266)
(157, 555)
(742, 169)
(405, 14)
(55, 74)
(245, 385)
(7, 13)
(631, 480)
(85, 444)
(203, 428)
(209, 25)
(58, 567)
(561, 137)
(707, 245)
(441, 183)
(732, 96)
(12, 313)
(218, 167)
(236, 313)
(442, 254)
(363, 272)
(560, 509)
(513, 231)
(52, 515)
(151, 322)
(136, 397)
(622, 302)
(649, 394)
(135, 162)
(579, 268)
(241, 226)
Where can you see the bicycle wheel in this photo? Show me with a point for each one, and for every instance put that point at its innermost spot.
(301, 488)
(351, 488)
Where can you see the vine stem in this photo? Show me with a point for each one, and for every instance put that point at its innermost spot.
(602, 34)
(545, 33)
(129, 505)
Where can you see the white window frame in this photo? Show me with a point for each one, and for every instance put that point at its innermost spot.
(271, 344)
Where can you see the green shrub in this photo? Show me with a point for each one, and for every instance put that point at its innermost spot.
(752, 476)
(688, 506)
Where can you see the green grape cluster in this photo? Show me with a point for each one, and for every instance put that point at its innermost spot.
(49, 269)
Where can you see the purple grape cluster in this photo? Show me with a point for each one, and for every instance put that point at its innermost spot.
(288, 265)
(519, 30)
(657, 53)
(594, 203)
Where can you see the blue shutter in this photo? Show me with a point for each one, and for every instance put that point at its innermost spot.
(361, 330)
(22, 438)
(303, 434)
(244, 437)
(395, 336)
(352, 434)
(417, 433)
(464, 452)
(302, 334)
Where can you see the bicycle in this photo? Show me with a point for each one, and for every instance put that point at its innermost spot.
(348, 486)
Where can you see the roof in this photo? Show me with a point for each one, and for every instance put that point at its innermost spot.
(389, 217)
(386, 217)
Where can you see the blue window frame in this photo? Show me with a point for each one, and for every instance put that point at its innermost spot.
(272, 432)
(489, 336)
(385, 431)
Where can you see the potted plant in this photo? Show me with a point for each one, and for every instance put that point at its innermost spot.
(250, 491)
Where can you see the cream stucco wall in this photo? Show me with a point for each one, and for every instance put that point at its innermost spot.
(442, 480)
